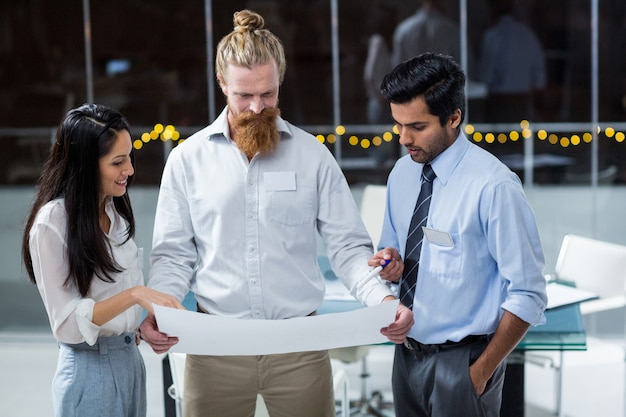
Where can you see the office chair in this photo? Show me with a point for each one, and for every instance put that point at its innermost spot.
(368, 404)
(175, 391)
(352, 354)
(372, 210)
(593, 265)
(596, 266)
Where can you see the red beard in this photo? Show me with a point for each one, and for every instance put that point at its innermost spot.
(256, 133)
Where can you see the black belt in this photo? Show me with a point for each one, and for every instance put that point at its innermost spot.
(414, 345)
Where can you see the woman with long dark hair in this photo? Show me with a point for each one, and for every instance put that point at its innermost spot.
(78, 249)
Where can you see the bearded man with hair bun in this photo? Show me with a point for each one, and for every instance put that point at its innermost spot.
(240, 206)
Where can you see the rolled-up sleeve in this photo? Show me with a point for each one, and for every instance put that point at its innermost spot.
(520, 262)
(68, 313)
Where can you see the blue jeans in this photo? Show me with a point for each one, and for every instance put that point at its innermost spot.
(107, 379)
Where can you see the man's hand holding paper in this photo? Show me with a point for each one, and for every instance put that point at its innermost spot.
(149, 331)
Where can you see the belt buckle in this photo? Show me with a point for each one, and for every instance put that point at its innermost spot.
(415, 346)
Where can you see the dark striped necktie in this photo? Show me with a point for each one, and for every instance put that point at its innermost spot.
(415, 238)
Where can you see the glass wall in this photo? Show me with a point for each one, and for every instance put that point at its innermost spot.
(563, 132)
(150, 60)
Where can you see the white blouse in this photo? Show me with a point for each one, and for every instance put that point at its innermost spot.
(70, 314)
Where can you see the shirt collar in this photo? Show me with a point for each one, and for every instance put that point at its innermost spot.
(445, 163)
(114, 228)
(109, 206)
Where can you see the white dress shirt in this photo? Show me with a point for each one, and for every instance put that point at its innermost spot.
(242, 235)
(70, 314)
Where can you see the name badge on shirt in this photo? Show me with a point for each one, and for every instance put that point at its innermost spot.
(280, 181)
(437, 237)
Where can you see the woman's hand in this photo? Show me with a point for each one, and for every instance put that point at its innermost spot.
(146, 297)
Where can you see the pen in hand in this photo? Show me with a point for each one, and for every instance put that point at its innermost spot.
(374, 272)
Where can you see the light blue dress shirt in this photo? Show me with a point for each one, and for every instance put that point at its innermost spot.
(495, 262)
(242, 235)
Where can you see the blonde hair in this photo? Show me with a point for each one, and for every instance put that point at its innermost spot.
(249, 44)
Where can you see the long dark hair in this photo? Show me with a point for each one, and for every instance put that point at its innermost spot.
(72, 171)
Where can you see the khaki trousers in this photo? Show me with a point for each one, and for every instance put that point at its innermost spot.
(294, 384)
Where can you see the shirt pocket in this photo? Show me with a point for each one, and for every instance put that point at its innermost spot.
(293, 207)
(444, 261)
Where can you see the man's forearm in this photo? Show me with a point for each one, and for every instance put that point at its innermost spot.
(509, 333)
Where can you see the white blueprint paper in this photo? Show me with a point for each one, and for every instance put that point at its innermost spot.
(206, 334)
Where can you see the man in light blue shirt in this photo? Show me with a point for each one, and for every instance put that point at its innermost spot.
(479, 281)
